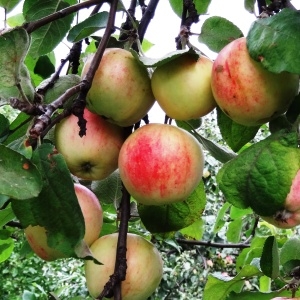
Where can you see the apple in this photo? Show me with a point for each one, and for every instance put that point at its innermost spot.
(160, 164)
(95, 155)
(182, 87)
(144, 267)
(121, 88)
(246, 92)
(93, 219)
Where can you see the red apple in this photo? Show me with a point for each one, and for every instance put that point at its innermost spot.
(248, 93)
(160, 164)
(95, 155)
(144, 267)
(182, 87)
(121, 88)
(93, 219)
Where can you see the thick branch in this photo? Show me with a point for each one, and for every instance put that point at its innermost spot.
(34, 25)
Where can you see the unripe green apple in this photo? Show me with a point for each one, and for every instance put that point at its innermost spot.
(182, 87)
(95, 155)
(248, 93)
(93, 220)
(160, 164)
(121, 88)
(144, 267)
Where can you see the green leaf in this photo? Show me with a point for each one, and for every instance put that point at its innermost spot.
(13, 47)
(175, 216)
(87, 27)
(6, 245)
(250, 6)
(109, 190)
(233, 233)
(44, 67)
(56, 208)
(269, 261)
(260, 295)
(18, 128)
(219, 223)
(260, 177)
(46, 38)
(27, 295)
(217, 32)
(60, 86)
(200, 5)
(265, 284)
(236, 213)
(22, 179)
(275, 41)
(3, 199)
(247, 255)
(156, 62)
(6, 215)
(9, 5)
(194, 231)
(218, 287)
(16, 20)
(234, 134)
(187, 125)
(289, 254)
(4, 127)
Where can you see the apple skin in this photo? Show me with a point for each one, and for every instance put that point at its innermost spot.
(182, 87)
(121, 88)
(93, 219)
(160, 164)
(249, 94)
(289, 217)
(95, 155)
(144, 267)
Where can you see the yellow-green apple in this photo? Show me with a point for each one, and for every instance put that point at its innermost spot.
(248, 93)
(160, 164)
(93, 220)
(144, 267)
(121, 88)
(182, 87)
(95, 155)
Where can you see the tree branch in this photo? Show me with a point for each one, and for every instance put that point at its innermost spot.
(212, 244)
(34, 25)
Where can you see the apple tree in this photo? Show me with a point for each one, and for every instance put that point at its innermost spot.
(83, 121)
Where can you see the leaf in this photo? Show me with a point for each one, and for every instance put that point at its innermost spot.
(4, 127)
(27, 295)
(234, 134)
(260, 177)
(269, 261)
(233, 233)
(16, 20)
(218, 287)
(261, 296)
(217, 32)
(6, 245)
(250, 5)
(236, 213)
(275, 41)
(187, 125)
(200, 5)
(156, 62)
(289, 254)
(194, 231)
(219, 223)
(56, 208)
(13, 47)
(109, 190)
(46, 38)
(6, 215)
(22, 179)
(175, 216)
(87, 27)
(44, 67)
(9, 5)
